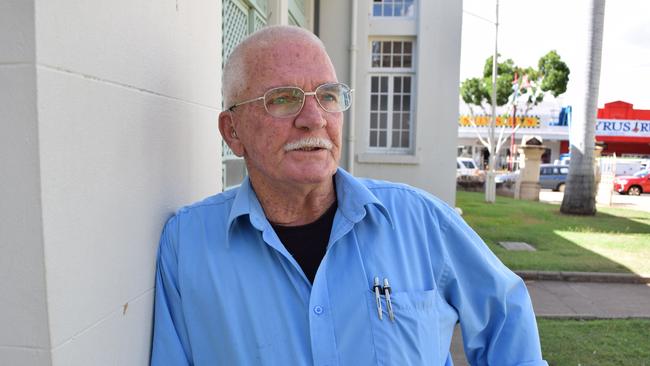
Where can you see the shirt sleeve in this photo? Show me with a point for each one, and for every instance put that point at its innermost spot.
(170, 341)
(495, 311)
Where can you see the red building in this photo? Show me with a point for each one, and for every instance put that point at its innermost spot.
(625, 131)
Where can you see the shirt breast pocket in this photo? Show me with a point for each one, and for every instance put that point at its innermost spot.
(412, 338)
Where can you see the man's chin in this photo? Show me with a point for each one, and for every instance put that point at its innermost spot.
(311, 174)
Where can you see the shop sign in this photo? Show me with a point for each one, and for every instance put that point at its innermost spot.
(502, 121)
(617, 127)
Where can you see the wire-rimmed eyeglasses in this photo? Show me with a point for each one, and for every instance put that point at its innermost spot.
(287, 101)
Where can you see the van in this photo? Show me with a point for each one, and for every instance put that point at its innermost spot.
(466, 167)
(553, 176)
(467, 171)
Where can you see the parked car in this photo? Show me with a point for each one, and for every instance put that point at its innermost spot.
(466, 166)
(509, 177)
(634, 184)
(553, 176)
(467, 171)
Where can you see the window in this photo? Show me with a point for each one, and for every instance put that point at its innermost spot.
(240, 18)
(469, 164)
(392, 54)
(391, 95)
(297, 11)
(393, 8)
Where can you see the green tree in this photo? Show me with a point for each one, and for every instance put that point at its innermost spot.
(551, 77)
(476, 92)
(530, 88)
(554, 73)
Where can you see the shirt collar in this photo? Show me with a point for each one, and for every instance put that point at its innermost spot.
(352, 198)
(246, 203)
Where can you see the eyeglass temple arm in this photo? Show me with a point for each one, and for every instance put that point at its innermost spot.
(245, 102)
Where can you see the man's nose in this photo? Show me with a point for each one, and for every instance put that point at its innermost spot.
(312, 115)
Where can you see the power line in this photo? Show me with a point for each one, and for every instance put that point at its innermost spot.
(478, 16)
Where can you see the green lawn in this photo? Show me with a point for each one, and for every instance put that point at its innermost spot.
(615, 240)
(595, 342)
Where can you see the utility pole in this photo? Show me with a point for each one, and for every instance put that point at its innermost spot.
(490, 185)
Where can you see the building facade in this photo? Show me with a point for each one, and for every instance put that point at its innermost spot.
(620, 129)
(623, 130)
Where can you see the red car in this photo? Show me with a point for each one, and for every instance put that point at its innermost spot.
(634, 184)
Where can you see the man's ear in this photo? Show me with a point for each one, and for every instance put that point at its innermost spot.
(229, 134)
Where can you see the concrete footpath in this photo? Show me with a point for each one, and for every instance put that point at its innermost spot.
(579, 300)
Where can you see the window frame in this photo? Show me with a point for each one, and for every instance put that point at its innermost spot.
(392, 73)
(384, 3)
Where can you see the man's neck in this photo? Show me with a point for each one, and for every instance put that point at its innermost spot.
(294, 205)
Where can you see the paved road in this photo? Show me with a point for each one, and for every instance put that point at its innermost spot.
(579, 300)
(641, 202)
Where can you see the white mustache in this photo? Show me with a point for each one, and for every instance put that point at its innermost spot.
(309, 142)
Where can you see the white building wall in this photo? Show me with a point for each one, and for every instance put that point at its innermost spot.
(113, 127)
(24, 334)
(334, 30)
(436, 31)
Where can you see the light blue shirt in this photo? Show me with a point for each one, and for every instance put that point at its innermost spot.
(229, 293)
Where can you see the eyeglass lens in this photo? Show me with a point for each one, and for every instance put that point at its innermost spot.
(288, 101)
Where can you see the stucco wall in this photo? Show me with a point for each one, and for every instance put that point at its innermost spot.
(24, 335)
(113, 126)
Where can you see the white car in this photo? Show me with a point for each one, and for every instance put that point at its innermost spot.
(466, 169)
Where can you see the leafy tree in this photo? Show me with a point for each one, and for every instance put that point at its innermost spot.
(514, 84)
(552, 78)
(554, 73)
(476, 92)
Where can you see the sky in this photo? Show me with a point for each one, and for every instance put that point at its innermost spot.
(528, 29)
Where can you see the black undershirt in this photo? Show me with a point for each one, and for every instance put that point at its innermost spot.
(307, 243)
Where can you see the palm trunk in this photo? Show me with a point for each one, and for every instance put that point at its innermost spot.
(580, 194)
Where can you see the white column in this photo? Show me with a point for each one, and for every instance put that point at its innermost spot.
(278, 12)
(112, 128)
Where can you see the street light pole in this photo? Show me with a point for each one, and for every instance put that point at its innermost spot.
(490, 185)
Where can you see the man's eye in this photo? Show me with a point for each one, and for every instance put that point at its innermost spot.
(279, 100)
(329, 97)
(286, 98)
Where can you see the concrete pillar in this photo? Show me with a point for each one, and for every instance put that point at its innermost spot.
(108, 115)
(604, 180)
(528, 187)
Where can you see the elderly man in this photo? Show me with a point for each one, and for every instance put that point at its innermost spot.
(304, 264)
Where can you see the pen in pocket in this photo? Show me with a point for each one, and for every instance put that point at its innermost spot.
(376, 289)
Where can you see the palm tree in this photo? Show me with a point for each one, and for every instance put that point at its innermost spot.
(580, 194)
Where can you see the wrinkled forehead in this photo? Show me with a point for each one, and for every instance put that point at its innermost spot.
(290, 62)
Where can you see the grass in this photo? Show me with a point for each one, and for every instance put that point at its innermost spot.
(614, 240)
(595, 342)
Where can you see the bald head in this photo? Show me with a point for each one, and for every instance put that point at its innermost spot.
(253, 49)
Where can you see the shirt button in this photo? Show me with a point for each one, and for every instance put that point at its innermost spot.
(318, 310)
